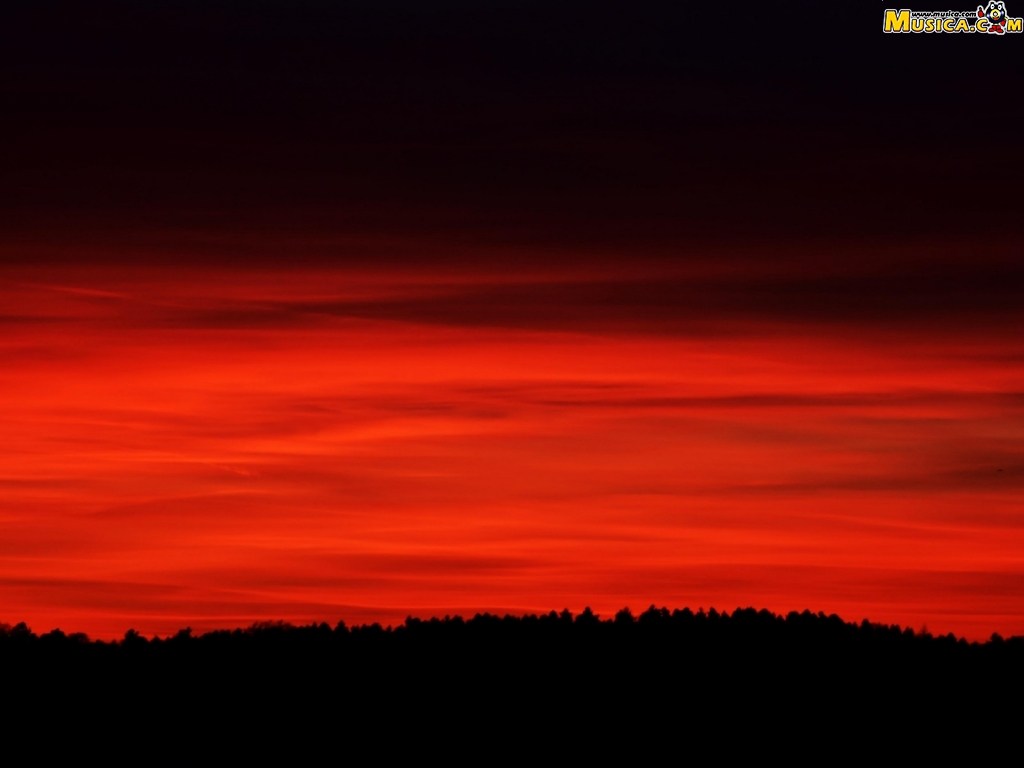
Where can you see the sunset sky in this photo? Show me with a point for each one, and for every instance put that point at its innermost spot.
(355, 310)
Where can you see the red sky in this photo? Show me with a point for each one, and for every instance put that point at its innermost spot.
(318, 310)
(213, 445)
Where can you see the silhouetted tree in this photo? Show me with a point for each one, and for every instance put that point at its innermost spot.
(624, 617)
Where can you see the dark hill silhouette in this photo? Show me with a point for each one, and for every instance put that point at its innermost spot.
(554, 684)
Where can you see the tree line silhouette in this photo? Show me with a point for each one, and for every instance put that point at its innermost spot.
(592, 686)
(716, 631)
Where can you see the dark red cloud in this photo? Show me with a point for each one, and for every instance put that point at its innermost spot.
(230, 450)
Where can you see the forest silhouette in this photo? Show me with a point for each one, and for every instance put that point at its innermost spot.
(590, 686)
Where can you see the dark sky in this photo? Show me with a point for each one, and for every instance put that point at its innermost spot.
(649, 124)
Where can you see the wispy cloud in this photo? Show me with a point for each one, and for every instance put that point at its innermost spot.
(353, 444)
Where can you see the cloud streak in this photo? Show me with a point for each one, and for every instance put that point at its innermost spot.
(229, 451)
(737, 297)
